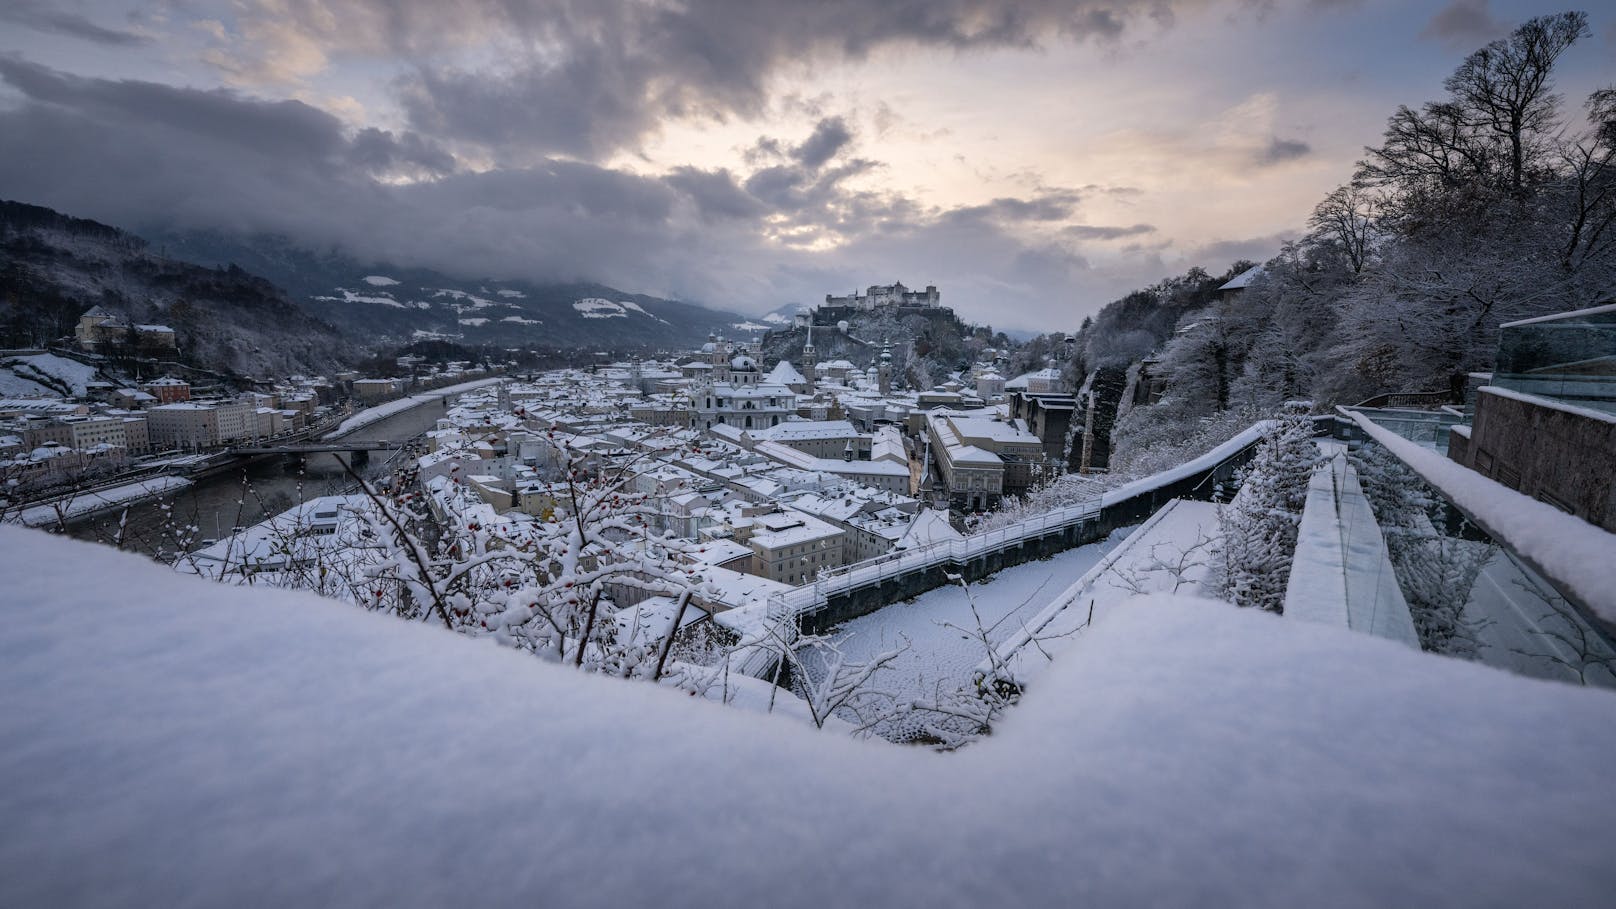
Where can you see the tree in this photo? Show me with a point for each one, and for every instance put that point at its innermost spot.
(1505, 91)
(1492, 132)
(1589, 187)
(547, 587)
(1347, 218)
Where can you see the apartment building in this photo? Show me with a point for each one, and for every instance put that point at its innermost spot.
(791, 547)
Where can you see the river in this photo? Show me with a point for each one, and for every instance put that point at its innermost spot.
(215, 505)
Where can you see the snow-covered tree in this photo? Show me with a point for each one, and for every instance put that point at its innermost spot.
(1259, 524)
(550, 586)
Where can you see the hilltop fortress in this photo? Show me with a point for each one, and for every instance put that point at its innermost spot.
(894, 297)
(878, 296)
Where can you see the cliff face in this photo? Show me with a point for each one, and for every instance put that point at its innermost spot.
(927, 344)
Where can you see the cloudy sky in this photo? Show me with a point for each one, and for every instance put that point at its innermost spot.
(1033, 159)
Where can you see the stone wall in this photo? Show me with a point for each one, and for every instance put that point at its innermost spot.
(1559, 456)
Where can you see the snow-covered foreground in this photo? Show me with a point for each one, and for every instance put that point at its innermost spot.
(369, 415)
(89, 502)
(165, 740)
(941, 656)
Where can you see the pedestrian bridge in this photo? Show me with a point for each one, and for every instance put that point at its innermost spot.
(863, 587)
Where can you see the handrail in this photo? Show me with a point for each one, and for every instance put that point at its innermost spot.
(1407, 399)
(783, 608)
(859, 574)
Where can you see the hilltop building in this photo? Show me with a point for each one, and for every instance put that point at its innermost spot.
(99, 327)
(879, 296)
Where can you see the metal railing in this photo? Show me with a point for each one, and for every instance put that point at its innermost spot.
(782, 610)
(881, 568)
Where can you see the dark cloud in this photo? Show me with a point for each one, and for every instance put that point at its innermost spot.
(46, 16)
(586, 105)
(1098, 232)
(715, 193)
(1278, 151)
(1464, 24)
(381, 152)
(279, 129)
(149, 156)
(830, 136)
(1048, 205)
(586, 79)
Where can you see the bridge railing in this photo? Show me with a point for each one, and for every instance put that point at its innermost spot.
(791, 604)
(881, 568)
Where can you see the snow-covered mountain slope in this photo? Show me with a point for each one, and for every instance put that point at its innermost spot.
(44, 375)
(784, 316)
(54, 267)
(380, 302)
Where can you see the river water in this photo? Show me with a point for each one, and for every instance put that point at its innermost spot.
(210, 508)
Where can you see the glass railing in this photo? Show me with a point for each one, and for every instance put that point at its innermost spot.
(1427, 427)
(1569, 357)
(1468, 594)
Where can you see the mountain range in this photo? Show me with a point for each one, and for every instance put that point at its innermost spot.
(266, 305)
(54, 267)
(393, 303)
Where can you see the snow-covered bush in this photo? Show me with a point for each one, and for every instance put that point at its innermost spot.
(1436, 572)
(1259, 525)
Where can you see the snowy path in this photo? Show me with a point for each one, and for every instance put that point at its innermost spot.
(392, 408)
(943, 657)
(86, 503)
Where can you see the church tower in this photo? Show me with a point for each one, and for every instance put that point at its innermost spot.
(809, 357)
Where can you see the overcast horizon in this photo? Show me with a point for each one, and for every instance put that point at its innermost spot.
(1034, 160)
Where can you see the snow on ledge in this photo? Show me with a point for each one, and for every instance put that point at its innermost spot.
(1555, 317)
(166, 741)
(1575, 555)
(1587, 413)
(81, 504)
(1206, 462)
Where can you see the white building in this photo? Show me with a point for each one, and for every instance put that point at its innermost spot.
(791, 547)
(734, 393)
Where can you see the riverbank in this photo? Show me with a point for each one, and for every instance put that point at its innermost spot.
(83, 505)
(369, 415)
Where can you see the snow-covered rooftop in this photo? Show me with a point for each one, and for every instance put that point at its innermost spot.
(1244, 279)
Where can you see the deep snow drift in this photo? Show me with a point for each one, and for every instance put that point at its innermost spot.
(165, 740)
